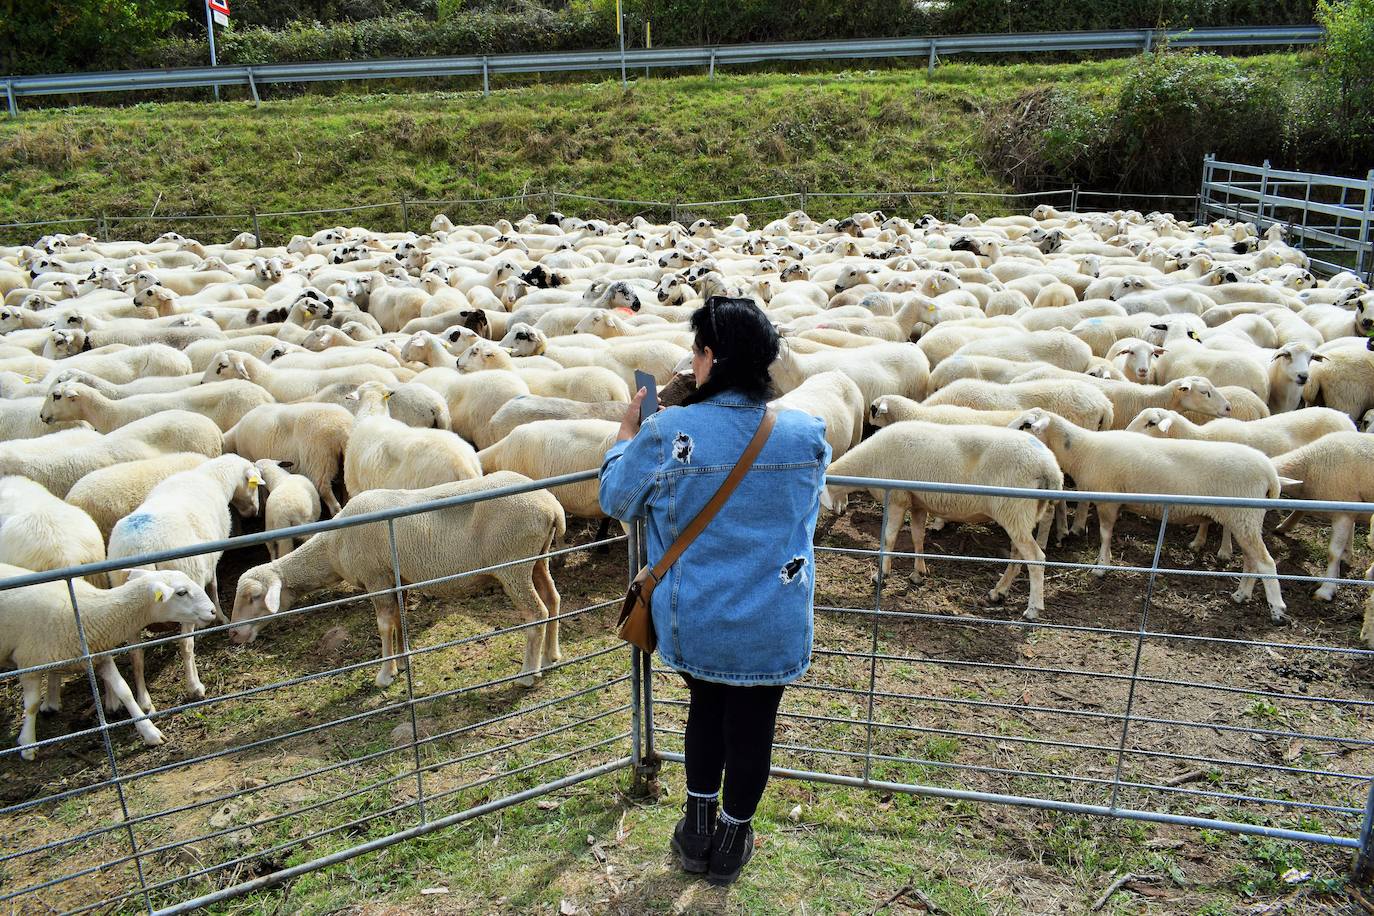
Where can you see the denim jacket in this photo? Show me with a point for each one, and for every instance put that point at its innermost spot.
(736, 607)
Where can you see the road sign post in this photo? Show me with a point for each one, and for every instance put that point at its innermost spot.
(216, 11)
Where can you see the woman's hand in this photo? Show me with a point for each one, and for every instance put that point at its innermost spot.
(629, 424)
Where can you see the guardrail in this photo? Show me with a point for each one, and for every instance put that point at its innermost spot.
(1333, 217)
(930, 47)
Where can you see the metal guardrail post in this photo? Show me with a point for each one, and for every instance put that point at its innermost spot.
(930, 60)
(253, 88)
(486, 77)
(711, 72)
(9, 99)
(1149, 40)
(1264, 191)
(1364, 264)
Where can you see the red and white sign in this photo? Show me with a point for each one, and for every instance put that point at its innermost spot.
(219, 10)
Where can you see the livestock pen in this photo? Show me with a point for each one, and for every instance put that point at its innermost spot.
(1148, 696)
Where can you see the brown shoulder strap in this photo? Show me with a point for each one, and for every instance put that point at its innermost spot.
(708, 512)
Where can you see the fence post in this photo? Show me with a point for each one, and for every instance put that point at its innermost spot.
(645, 762)
(403, 650)
(802, 197)
(672, 212)
(1202, 195)
(253, 88)
(711, 73)
(9, 99)
(486, 79)
(930, 61)
(405, 214)
(103, 226)
(1364, 264)
(1264, 191)
(257, 231)
(1073, 200)
(1363, 873)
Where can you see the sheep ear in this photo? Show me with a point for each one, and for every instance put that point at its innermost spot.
(352, 395)
(1040, 424)
(1165, 424)
(1282, 354)
(286, 464)
(1185, 386)
(1318, 358)
(272, 600)
(254, 479)
(135, 573)
(159, 593)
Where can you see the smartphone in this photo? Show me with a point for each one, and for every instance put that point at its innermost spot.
(650, 406)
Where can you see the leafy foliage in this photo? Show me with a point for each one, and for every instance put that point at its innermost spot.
(36, 35)
(1150, 132)
(1348, 62)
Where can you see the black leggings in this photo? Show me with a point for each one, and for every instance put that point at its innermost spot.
(730, 732)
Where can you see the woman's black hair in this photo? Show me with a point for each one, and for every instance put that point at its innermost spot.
(743, 343)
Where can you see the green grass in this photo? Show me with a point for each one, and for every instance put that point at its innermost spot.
(685, 138)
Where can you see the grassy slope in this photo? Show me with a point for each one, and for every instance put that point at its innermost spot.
(687, 138)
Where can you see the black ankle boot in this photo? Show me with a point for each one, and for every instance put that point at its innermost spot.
(692, 835)
(731, 848)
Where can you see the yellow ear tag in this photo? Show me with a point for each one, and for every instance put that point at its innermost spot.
(159, 594)
(386, 395)
(252, 483)
(27, 380)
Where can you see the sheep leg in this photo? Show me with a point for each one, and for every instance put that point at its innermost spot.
(187, 648)
(145, 702)
(1031, 550)
(1049, 515)
(1080, 518)
(1258, 560)
(1224, 551)
(518, 585)
(892, 526)
(548, 593)
(273, 549)
(1061, 522)
(388, 629)
(32, 685)
(1367, 628)
(214, 595)
(1199, 540)
(326, 487)
(52, 701)
(918, 543)
(1106, 521)
(1342, 532)
(1289, 523)
(115, 683)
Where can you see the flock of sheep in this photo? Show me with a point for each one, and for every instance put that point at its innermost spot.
(148, 392)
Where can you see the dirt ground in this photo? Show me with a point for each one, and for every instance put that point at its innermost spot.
(966, 697)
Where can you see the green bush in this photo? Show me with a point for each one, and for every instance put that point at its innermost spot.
(1149, 134)
(37, 37)
(1348, 65)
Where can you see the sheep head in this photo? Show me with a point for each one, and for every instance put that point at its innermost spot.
(260, 593)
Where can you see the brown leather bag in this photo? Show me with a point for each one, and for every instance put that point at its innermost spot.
(636, 620)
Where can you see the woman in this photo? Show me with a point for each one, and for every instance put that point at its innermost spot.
(733, 615)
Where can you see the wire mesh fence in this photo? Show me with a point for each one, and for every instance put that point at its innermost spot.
(274, 228)
(1146, 695)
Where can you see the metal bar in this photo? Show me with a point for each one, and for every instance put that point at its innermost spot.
(930, 60)
(400, 599)
(1364, 860)
(486, 77)
(877, 606)
(109, 746)
(9, 99)
(1364, 264)
(253, 89)
(257, 230)
(1045, 804)
(1135, 664)
(343, 855)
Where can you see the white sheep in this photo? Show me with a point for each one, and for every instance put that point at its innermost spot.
(893, 408)
(1082, 401)
(383, 453)
(1334, 467)
(1058, 348)
(1116, 461)
(225, 403)
(1272, 435)
(38, 531)
(884, 368)
(185, 509)
(835, 399)
(312, 437)
(529, 408)
(109, 494)
(59, 460)
(592, 384)
(38, 627)
(1344, 380)
(291, 500)
(550, 448)
(431, 545)
(913, 450)
(414, 405)
(289, 384)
